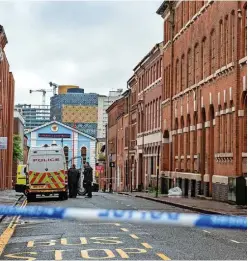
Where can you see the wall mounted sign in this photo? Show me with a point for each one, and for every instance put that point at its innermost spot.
(3, 143)
(54, 135)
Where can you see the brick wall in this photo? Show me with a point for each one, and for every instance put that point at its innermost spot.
(201, 88)
(6, 115)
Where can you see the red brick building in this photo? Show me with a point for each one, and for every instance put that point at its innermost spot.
(6, 114)
(149, 139)
(204, 111)
(118, 144)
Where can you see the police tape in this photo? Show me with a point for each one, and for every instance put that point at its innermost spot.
(132, 216)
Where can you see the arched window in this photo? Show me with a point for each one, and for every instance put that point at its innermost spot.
(221, 44)
(245, 29)
(195, 135)
(176, 138)
(196, 71)
(188, 136)
(231, 120)
(182, 137)
(177, 77)
(213, 52)
(220, 130)
(232, 28)
(189, 68)
(204, 59)
(66, 152)
(83, 153)
(226, 40)
(183, 73)
(225, 128)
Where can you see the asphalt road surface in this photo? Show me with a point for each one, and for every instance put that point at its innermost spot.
(67, 240)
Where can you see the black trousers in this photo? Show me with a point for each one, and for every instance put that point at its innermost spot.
(88, 188)
(73, 189)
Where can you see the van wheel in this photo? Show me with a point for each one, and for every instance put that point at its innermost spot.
(31, 197)
(63, 196)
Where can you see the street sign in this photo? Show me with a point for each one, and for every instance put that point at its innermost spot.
(3, 143)
(112, 164)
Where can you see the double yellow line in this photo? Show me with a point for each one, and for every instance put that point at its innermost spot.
(8, 232)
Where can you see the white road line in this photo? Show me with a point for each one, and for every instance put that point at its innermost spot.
(237, 242)
(206, 231)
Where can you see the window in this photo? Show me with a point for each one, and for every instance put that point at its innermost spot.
(220, 130)
(159, 112)
(204, 60)
(177, 76)
(196, 64)
(189, 63)
(183, 73)
(232, 44)
(188, 136)
(221, 45)
(146, 117)
(66, 152)
(176, 138)
(226, 40)
(83, 154)
(156, 115)
(231, 120)
(213, 52)
(245, 29)
(195, 135)
(182, 138)
(225, 149)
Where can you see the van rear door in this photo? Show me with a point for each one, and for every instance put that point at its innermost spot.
(37, 174)
(55, 170)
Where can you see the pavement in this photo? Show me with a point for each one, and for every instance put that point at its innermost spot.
(50, 239)
(195, 204)
(8, 197)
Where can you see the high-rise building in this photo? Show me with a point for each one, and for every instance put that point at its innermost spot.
(103, 103)
(34, 115)
(75, 108)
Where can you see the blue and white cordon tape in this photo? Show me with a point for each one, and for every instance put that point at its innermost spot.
(151, 217)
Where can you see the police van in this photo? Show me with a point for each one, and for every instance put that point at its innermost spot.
(21, 181)
(46, 172)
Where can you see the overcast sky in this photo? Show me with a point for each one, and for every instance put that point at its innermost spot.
(91, 44)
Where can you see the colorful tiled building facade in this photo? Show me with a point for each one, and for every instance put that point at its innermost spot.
(76, 109)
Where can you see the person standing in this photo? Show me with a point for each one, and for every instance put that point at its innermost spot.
(88, 179)
(73, 178)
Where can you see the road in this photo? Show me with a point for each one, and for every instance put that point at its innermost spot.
(67, 240)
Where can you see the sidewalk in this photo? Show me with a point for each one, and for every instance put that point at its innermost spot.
(9, 197)
(199, 205)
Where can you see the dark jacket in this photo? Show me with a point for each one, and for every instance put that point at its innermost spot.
(73, 176)
(88, 174)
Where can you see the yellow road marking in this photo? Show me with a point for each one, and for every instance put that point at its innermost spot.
(8, 232)
(163, 256)
(122, 253)
(146, 245)
(58, 254)
(134, 236)
(85, 254)
(124, 229)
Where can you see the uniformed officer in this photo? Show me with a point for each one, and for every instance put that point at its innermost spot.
(73, 178)
(88, 179)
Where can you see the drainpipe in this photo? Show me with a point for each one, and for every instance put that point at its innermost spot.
(171, 21)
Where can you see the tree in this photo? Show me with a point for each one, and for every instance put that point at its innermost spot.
(17, 149)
